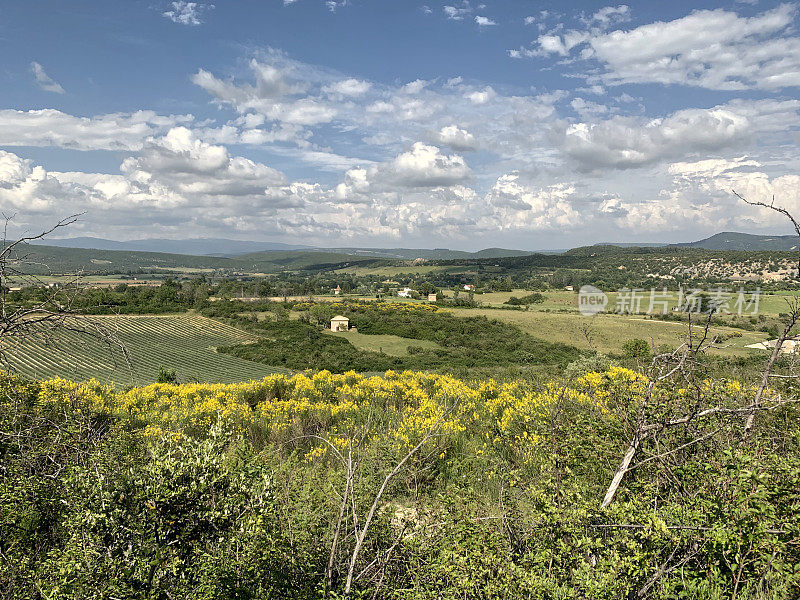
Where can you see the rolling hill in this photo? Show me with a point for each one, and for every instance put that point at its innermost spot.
(199, 246)
(238, 248)
(728, 240)
(53, 260)
(234, 257)
(430, 253)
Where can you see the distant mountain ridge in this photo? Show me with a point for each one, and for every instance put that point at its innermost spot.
(220, 247)
(196, 247)
(239, 248)
(430, 254)
(730, 240)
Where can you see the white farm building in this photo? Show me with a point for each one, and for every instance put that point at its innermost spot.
(340, 323)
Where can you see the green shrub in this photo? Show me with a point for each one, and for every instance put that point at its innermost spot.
(535, 298)
(636, 348)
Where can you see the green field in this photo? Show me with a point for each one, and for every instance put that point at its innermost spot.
(608, 332)
(553, 300)
(770, 304)
(392, 345)
(185, 343)
(557, 320)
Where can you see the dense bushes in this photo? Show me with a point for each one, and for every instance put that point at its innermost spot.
(299, 346)
(214, 491)
(534, 298)
(167, 297)
(472, 341)
(467, 342)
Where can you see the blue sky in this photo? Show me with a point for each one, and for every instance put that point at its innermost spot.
(386, 123)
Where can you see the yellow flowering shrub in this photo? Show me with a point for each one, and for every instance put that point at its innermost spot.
(513, 418)
(301, 306)
(86, 396)
(616, 387)
(405, 307)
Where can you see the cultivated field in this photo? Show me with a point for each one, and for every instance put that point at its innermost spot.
(185, 343)
(88, 280)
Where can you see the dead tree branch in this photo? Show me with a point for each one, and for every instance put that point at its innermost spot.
(362, 533)
(790, 322)
(54, 308)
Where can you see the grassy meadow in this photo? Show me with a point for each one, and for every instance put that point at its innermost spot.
(607, 333)
(558, 319)
(769, 304)
(393, 345)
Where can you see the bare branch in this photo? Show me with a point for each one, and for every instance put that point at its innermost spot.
(778, 209)
(52, 310)
(790, 322)
(362, 534)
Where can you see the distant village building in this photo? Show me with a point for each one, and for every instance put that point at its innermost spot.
(569, 288)
(340, 323)
(468, 287)
(337, 290)
(405, 292)
(432, 298)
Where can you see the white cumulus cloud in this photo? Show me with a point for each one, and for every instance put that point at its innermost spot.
(348, 87)
(715, 49)
(456, 138)
(116, 131)
(626, 142)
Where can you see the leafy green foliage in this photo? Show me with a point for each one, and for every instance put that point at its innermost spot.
(467, 342)
(93, 505)
(636, 348)
(166, 375)
(535, 298)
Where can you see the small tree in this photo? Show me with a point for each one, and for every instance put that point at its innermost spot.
(167, 375)
(636, 348)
